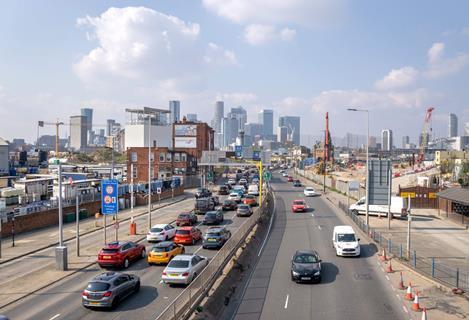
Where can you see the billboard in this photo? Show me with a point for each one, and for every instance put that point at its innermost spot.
(183, 142)
(380, 177)
(185, 130)
(239, 151)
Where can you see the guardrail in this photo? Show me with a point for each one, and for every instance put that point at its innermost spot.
(183, 305)
(443, 273)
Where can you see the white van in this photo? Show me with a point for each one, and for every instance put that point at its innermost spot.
(345, 241)
(253, 189)
(399, 208)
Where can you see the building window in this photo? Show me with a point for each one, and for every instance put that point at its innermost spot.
(177, 157)
(162, 156)
(168, 157)
(133, 157)
(152, 157)
(183, 157)
(154, 143)
(134, 173)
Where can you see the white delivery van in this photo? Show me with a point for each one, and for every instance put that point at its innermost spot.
(253, 189)
(345, 241)
(399, 208)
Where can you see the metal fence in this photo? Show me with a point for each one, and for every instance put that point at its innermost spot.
(183, 305)
(429, 266)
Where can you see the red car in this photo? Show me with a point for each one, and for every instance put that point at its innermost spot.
(187, 235)
(298, 206)
(290, 179)
(186, 219)
(120, 254)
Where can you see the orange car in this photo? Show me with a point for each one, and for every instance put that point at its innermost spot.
(250, 200)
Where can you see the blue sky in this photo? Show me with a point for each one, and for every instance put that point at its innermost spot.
(298, 57)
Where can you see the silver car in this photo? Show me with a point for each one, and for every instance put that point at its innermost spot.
(108, 289)
(184, 268)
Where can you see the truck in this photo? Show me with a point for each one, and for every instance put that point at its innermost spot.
(399, 208)
(203, 205)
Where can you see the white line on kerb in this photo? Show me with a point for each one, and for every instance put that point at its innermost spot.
(286, 301)
(268, 231)
(55, 317)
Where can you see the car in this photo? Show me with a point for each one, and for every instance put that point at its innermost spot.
(108, 289)
(186, 219)
(187, 235)
(161, 232)
(306, 266)
(120, 254)
(239, 188)
(284, 174)
(250, 200)
(345, 241)
(213, 217)
(297, 183)
(183, 269)
(232, 182)
(235, 197)
(253, 189)
(164, 251)
(216, 200)
(223, 190)
(298, 206)
(202, 193)
(255, 181)
(203, 205)
(229, 204)
(215, 237)
(290, 179)
(282, 171)
(244, 210)
(243, 181)
(309, 192)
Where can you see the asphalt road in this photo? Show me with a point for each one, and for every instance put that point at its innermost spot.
(63, 300)
(351, 288)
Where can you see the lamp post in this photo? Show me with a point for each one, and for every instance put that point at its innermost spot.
(367, 189)
(149, 113)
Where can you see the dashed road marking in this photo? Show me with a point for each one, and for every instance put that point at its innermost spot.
(161, 281)
(200, 248)
(382, 269)
(286, 301)
(319, 227)
(398, 296)
(388, 278)
(233, 216)
(405, 309)
(312, 215)
(55, 317)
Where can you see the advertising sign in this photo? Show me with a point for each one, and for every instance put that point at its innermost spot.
(256, 155)
(380, 177)
(182, 142)
(109, 197)
(185, 130)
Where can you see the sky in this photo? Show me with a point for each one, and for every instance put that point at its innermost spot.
(297, 57)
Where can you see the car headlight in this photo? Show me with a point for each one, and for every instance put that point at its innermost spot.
(295, 273)
(317, 273)
(339, 246)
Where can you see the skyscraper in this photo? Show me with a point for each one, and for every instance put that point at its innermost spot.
(88, 114)
(282, 134)
(386, 137)
(78, 132)
(175, 111)
(452, 125)
(405, 142)
(240, 114)
(109, 125)
(230, 130)
(266, 119)
(293, 125)
(217, 123)
(192, 117)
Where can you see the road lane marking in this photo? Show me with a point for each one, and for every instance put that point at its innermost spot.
(161, 281)
(319, 227)
(286, 301)
(388, 278)
(233, 216)
(268, 231)
(200, 248)
(55, 317)
(312, 215)
(405, 309)
(398, 296)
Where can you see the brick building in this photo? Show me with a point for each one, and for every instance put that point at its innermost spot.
(193, 137)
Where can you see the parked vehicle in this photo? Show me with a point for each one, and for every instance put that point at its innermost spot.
(202, 193)
(244, 210)
(253, 189)
(183, 269)
(163, 252)
(213, 217)
(298, 206)
(187, 235)
(203, 205)
(108, 289)
(215, 237)
(250, 200)
(186, 219)
(306, 266)
(120, 254)
(399, 208)
(345, 241)
(229, 204)
(161, 232)
(310, 192)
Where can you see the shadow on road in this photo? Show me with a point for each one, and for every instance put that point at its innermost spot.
(144, 297)
(329, 272)
(368, 250)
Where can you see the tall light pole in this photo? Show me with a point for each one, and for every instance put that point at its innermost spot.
(149, 113)
(367, 189)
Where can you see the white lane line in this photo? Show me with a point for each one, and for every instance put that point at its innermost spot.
(200, 248)
(405, 309)
(377, 262)
(55, 317)
(161, 281)
(233, 216)
(382, 269)
(319, 227)
(312, 215)
(268, 231)
(286, 301)
(398, 296)
(388, 278)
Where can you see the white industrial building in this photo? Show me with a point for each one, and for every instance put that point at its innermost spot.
(4, 163)
(136, 129)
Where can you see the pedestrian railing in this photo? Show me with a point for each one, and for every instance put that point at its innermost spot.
(186, 302)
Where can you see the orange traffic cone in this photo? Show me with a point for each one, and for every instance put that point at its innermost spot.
(409, 296)
(424, 314)
(383, 256)
(415, 305)
(389, 269)
(401, 283)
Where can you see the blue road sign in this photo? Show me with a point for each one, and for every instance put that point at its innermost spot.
(109, 197)
(239, 151)
(256, 155)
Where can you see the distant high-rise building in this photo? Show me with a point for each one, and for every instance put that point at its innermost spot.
(282, 134)
(466, 128)
(230, 130)
(427, 139)
(293, 125)
(386, 137)
(266, 119)
(78, 132)
(217, 122)
(355, 141)
(251, 131)
(405, 142)
(175, 111)
(88, 114)
(452, 125)
(109, 125)
(372, 142)
(191, 117)
(240, 114)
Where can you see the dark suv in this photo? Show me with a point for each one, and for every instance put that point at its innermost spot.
(108, 289)
(215, 237)
(213, 217)
(229, 205)
(203, 205)
(202, 193)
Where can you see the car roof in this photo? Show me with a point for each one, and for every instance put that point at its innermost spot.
(298, 200)
(186, 228)
(163, 244)
(183, 257)
(159, 225)
(215, 229)
(344, 229)
(115, 244)
(106, 276)
(306, 251)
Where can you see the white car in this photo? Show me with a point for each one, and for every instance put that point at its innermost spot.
(231, 182)
(161, 232)
(309, 192)
(184, 268)
(253, 190)
(284, 174)
(243, 181)
(235, 197)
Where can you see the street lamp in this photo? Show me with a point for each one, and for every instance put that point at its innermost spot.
(149, 113)
(367, 159)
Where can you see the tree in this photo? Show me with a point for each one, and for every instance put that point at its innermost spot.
(463, 178)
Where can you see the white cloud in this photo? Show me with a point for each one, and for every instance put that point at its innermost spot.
(259, 34)
(217, 55)
(398, 78)
(439, 66)
(237, 98)
(465, 31)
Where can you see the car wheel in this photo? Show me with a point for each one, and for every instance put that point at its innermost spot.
(143, 254)
(137, 287)
(355, 212)
(194, 276)
(126, 263)
(166, 238)
(193, 241)
(115, 302)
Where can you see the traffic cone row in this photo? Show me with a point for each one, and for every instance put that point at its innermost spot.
(389, 268)
(383, 255)
(424, 314)
(416, 305)
(401, 283)
(409, 296)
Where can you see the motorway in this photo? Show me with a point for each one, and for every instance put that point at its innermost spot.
(351, 288)
(63, 299)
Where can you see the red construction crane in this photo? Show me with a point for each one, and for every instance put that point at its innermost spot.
(424, 140)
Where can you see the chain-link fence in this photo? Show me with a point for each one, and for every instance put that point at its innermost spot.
(429, 266)
(183, 305)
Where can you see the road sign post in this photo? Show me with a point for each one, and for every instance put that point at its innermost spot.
(158, 191)
(109, 201)
(379, 182)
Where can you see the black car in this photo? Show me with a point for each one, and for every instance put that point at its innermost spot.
(229, 205)
(216, 200)
(223, 190)
(306, 266)
(202, 193)
(297, 183)
(244, 210)
(213, 217)
(203, 205)
(215, 237)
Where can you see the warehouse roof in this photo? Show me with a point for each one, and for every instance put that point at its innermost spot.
(460, 195)
(3, 142)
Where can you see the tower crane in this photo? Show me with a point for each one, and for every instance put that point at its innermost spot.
(424, 140)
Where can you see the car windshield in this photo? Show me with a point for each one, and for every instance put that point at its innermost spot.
(97, 286)
(213, 234)
(156, 230)
(346, 237)
(183, 232)
(305, 258)
(309, 189)
(178, 264)
(298, 202)
(183, 216)
(227, 202)
(199, 190)
(243, 207)
(210, 214)
(160, 249)
(107, 250)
